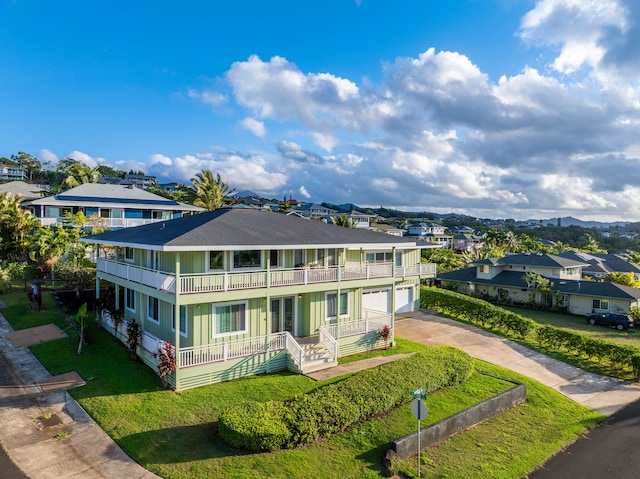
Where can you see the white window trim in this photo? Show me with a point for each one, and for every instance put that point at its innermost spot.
(126, 258)
(183, 334)
(150, 318)
(280, 263)
(126, 305)
(214, 319)
(232, 266)
(224, 260)
(326, 298)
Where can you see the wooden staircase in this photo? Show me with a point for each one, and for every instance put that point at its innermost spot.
(315, 356)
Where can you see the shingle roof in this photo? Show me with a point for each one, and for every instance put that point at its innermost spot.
(112, 195)
(541, 260)
(232, 228)
(515, 279)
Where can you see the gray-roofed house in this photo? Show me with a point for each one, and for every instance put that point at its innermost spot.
(117, 206)
(245, 291)
(600, 265)
(504, 279)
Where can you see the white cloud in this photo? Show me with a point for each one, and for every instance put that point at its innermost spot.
(303, 192)
(254, 126)
(212, 98)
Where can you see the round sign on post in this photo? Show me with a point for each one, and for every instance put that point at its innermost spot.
(419, 409)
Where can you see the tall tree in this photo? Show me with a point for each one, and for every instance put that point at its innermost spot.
(30, 163)
(210, 193)
(74, 173)
(16, 224)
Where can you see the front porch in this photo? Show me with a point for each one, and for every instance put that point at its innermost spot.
(200, 365)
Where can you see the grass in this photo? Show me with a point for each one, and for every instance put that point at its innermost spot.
(629, 337)
(174, 433)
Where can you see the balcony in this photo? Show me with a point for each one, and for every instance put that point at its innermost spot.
(234, 281)
(112, 223)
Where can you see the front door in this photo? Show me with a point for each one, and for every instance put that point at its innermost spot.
(282, 314)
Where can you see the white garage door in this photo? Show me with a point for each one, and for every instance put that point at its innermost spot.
(377, 300)
(404, 299)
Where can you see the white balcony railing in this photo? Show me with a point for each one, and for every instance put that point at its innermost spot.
(233, 281)
(114, 223)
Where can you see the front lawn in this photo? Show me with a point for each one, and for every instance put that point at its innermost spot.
(578, 323)
(174, 433)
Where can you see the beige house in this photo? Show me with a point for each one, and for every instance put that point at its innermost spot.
(505, 279)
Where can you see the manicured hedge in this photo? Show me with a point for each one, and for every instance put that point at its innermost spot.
(487, 315)
(335, 407)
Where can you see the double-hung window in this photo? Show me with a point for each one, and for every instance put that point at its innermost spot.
(183, 320)
(216, 260)
(130, 299)
(229, 319)
(331, 300)
(600, 304)
(153, 313)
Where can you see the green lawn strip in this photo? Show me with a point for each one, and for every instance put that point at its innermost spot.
(512, 444)
(173, 433)
(629, 337)
(19, 315)
(582, 362)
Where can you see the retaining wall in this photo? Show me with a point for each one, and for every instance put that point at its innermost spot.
(408, 446)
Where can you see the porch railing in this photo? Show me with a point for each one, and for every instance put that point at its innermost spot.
(211, 353)
(233, 281)
(328, 341)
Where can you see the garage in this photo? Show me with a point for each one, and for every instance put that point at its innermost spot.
(377, 300)
(404, 299)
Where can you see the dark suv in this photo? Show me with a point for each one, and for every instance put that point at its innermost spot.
(620, 321)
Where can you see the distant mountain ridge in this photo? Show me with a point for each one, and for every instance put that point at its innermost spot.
(571, 221)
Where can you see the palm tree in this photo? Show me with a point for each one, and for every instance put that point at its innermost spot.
(49, 245)
(343, 220)
(15, 226)
(210, 194)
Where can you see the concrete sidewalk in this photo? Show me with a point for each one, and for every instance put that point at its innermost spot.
(43, 429)
(602, 393)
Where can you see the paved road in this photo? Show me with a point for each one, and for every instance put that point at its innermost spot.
(8, 379)
(607, 451)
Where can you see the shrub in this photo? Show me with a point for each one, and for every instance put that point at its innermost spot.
(335, 407)
(254, 426)
(134, 335)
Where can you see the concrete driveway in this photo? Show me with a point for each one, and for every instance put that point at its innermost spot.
(601, 393)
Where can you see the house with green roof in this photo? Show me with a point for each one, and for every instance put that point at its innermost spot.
(241, 291)
(116, 206)
(505, 279)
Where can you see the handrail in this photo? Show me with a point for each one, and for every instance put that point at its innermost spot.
(294, 349)
(328, 341)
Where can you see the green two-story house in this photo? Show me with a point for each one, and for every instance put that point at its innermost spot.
(243, 291)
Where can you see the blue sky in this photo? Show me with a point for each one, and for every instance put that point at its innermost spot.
(520, 109)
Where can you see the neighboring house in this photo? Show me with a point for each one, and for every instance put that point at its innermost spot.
(432, 233)
(388, 229)
(12, 173)
(117, 206)
(464, 242)
(504, 278)
(243, 291)
(26, 190)
(600, 265)
(358, 219)
(313, 211)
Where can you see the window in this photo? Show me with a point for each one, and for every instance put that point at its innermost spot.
(246, 259)
(331, 304)
(153, 312)
(128, 254)
(275, 258)
(503, 293)
(183, 320)
(229, 319)
(130, 299)
(298, 257)
(600, 304)
(379, 257)
(483, 268)
(216, 259)
(332, 258)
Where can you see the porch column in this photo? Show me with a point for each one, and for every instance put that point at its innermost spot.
(176, 316)
(268, 296)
